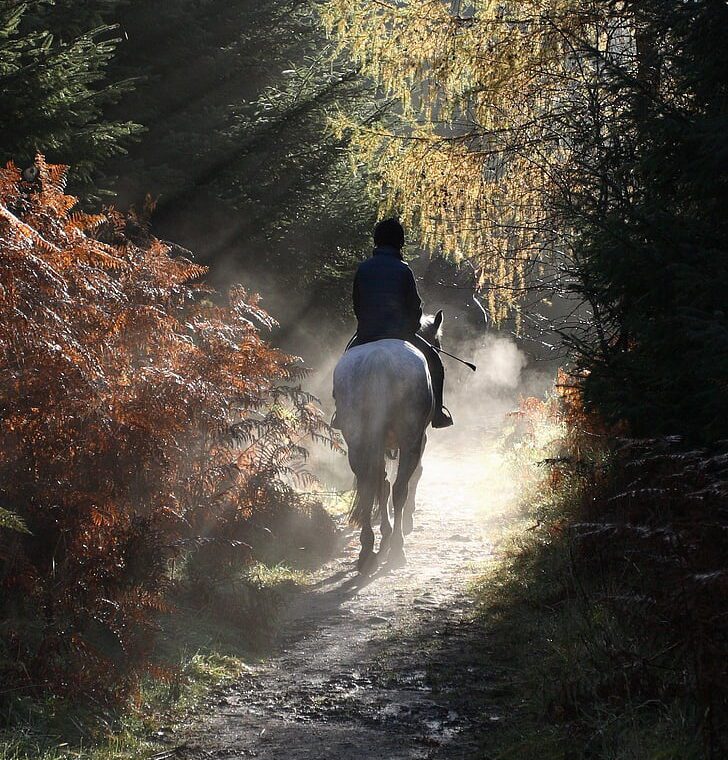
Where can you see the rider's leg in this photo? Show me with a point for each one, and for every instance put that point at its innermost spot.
(437, 374)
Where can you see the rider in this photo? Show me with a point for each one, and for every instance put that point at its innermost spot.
(387, 305)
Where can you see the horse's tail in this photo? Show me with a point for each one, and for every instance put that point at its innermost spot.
(364, 379)
(369, 492)
(370, 447)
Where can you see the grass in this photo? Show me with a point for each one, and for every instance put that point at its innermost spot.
(337, 503)
(54, 729)
(582, 667)
(567, 660)
(200, 653)
(278, 576)
(216, 634)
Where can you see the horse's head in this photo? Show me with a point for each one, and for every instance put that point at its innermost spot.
(431, 328)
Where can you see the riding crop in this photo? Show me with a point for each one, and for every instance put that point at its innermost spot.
(452, 356)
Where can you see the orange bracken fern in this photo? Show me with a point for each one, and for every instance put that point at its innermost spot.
(140, 413)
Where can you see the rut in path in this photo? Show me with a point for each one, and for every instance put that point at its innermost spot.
(358, 670)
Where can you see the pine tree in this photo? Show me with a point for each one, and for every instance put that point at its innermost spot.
(652, 241)
(235, 99)
(53, 63)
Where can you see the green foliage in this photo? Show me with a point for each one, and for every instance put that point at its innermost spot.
(10, 521)
(55, 90)
(651, 233)
(235, 144)
(201, 654)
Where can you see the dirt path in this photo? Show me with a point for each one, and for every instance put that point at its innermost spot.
(365, 669)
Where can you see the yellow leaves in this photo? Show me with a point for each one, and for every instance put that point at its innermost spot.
(469, 158)
(10, 521)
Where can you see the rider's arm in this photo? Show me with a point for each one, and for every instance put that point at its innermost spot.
(355, 295)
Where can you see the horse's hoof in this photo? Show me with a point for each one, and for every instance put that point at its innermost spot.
(408, 524)
(396, 560)
(367, 564)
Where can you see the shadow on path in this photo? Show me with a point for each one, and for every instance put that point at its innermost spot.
(369, 667)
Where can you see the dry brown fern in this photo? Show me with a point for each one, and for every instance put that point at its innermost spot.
(127, 402)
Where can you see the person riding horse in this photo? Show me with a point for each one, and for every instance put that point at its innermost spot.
(387, 305)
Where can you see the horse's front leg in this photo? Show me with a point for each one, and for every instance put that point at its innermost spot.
(408, 460)
(409, 506)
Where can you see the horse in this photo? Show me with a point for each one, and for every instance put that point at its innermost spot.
(384, 403)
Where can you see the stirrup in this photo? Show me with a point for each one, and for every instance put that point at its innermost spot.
(442, 418)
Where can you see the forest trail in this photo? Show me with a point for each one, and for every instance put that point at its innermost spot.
(376, 668)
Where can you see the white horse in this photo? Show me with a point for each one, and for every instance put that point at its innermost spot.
(384, 403)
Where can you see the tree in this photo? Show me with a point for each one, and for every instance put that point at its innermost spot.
(238, 150)
(471, 153)
(651, 237)
(571, 147)
(53, 64)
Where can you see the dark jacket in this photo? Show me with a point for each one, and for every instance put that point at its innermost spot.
(386, 301)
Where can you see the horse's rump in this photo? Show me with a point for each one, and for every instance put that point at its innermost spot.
(380, 386)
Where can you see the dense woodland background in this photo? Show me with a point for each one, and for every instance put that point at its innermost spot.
(566, 158)
(216, 110)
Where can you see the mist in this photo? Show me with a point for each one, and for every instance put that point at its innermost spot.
(507, 368)
(479, 401)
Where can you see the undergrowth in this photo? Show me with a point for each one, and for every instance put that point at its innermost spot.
(213, 634)
(152, 452)
(606, 614)
(205, 657)
(202, 646)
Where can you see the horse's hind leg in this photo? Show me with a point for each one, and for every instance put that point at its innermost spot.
(367, 559)
(408, 460)
(367, 482)
(384, 525)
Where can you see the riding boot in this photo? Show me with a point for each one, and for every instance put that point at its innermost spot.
(441, 417)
